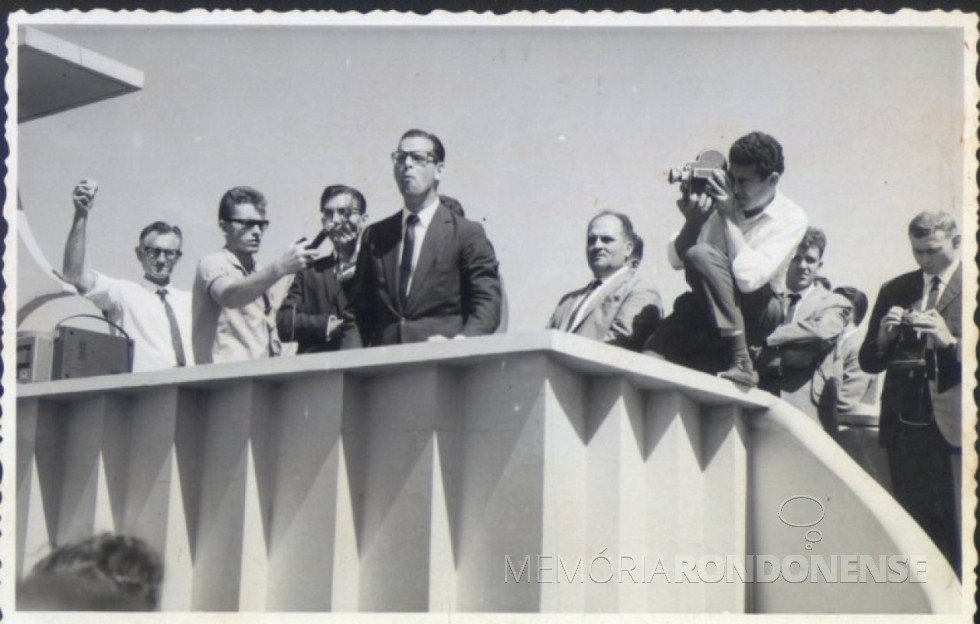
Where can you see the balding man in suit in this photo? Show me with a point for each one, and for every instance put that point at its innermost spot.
(617, 307)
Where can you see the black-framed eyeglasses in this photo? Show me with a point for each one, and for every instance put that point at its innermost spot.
(169, 254)
(248, 224)
(416, 158)
(344, 213)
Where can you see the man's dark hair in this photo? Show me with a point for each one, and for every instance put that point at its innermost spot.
(929, 221)
(758, 149)
(814, 237)
(857, 298)
(159, 227)
(628, 232)
(240, 195)
(103, 573)
(437, 149)
(336, 190)
(822, 282)
(453, 205)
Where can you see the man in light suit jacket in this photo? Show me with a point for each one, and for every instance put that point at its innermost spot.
(617, 307)
(424, 273)
(813, 319)
(920, 402)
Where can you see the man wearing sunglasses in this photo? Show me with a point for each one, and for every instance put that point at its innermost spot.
(154, 314)
(234, 315)
(424, 273)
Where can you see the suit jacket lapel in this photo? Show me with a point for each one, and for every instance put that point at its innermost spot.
(607, 289)
(438, 231)
(952, 290)
(389, 237)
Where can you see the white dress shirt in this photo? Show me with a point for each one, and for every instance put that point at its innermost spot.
(425, 218)
(140, 312)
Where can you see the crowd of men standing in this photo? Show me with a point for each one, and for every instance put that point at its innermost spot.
(758, 312)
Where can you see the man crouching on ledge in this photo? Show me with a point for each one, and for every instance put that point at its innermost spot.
(735, 246)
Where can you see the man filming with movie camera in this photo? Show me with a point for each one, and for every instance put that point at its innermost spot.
(738, 236)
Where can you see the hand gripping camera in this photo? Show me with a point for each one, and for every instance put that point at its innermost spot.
(694, 176)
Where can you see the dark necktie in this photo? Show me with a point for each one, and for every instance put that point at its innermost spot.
(408, 250)
(794, 300)
(570, 324)
(174, 328)
(931, 300)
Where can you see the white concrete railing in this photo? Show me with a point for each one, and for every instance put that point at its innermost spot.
(410, 478)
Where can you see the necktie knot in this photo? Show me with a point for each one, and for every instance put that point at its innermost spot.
(412, 220)
(162, 293)
(936, 282)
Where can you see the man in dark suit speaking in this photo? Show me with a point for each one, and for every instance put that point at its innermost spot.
(914, 334)
(424, 273)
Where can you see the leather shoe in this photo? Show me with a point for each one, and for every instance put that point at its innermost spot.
(742, 373)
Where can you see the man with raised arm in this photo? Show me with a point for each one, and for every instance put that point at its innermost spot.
(234, 315)
(735, 246)
(156, 315)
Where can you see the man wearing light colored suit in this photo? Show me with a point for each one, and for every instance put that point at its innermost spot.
(424, 273)
(617, 307)
(813, 319)
(918, 314)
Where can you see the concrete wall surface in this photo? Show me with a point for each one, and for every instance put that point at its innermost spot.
(532, 473)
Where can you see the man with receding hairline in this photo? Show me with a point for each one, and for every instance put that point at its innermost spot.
(914, 334)
(617, 307)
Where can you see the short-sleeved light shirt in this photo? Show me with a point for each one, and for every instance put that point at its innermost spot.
(230, 334)
(141, 313)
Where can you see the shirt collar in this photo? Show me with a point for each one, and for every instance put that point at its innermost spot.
(153, 287)
(945, 276)
(803, 293)
(425, 214)
(768, 211)
(237, 263)
(605, 280)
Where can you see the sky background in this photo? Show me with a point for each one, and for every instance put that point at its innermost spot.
(543, 127)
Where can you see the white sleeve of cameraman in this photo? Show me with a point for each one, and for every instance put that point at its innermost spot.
(769, 246)
(672, 257)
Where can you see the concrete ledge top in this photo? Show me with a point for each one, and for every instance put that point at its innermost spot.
(581, 355)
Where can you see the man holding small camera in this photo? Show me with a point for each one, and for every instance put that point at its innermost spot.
(735, 246)
(312, 313)
(914, 335)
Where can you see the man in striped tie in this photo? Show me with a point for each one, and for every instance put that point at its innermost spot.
(920, 402)
(156, 315)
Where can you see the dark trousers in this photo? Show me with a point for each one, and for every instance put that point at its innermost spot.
(920, 463)
(692, 334)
